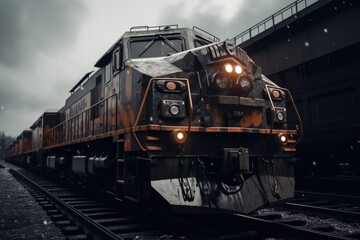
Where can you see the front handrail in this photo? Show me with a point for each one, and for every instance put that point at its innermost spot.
(273, 109)
(145, 98)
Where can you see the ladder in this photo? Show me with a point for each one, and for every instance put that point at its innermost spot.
(120, 162)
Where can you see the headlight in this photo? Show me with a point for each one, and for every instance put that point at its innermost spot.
(280, 116)
(174, 110)
(238, 69)
(243, 85)
(283, 138)
(178, 135)
(228, 68)
(219, 81)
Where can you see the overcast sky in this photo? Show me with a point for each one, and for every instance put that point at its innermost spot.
(46, 46)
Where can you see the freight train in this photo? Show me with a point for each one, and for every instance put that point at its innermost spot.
(173, 119)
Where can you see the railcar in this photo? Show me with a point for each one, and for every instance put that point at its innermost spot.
(174, 119)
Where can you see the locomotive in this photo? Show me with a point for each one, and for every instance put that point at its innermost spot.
(173, 119)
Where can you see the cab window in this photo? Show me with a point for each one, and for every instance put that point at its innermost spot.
(156, 47)
(201, 42)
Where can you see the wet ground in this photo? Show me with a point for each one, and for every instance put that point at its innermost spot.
(21, 217)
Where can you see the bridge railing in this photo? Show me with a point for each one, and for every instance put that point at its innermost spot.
(269, 22)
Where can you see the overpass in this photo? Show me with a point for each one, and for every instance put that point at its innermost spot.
(313, 49)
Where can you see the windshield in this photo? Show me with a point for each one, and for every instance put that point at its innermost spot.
(156, 47)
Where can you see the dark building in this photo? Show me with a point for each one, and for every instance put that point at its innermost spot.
(313, 49)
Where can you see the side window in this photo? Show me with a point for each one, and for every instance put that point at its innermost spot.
(95, 98)
(107, 73)
(201, 42)
(116, 59)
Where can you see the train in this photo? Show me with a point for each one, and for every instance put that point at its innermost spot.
(174, 120)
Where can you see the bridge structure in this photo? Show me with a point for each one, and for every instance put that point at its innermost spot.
(313, 49)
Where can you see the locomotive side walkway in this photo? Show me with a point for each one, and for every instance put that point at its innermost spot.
(21, 217)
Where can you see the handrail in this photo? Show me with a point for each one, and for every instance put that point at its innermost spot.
(145, 98)
(148, 28)
(66, 130)
(267, 87)
(269, 22)
(202, 31)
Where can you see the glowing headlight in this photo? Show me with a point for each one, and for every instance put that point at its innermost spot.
(228, 68)
(238, 69)
(283, 138)
(179, 135)
(174, 110)
(219, 81)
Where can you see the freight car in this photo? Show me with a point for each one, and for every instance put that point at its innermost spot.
(172, 119)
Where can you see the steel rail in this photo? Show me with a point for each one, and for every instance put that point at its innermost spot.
(90, 226)
(328, 196)
(282, 229)
(331, 212)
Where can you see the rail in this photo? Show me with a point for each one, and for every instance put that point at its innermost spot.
(145, 98)
(300, 129)
(158, 28)
(283, 229)
(97, 119)
(202, 31)
(324, 211)
(270, 22)
(89, 225)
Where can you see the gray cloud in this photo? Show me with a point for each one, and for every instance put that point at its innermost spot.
(33, 26)
(32, 32)
(247, 14)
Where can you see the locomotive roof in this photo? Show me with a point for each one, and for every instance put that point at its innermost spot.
(143, 31)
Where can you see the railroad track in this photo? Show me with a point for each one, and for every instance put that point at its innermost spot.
(83, 216)
(342, 185)
(273, 224)
(343, 207)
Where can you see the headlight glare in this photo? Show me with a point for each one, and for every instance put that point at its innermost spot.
(228, 68)
(238, 69)
(283, 138)
(179, 136)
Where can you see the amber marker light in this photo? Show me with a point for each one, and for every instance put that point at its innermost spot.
(276, 94)
(179, 135)
(170, 86)
(283, 138)
(238, 69)
(228, 68)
